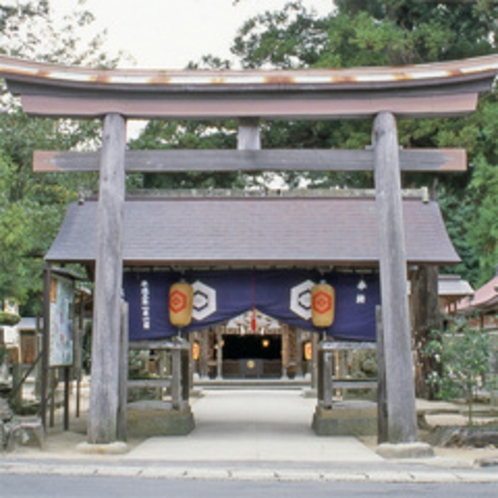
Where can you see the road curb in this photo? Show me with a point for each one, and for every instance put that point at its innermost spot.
(478, 475)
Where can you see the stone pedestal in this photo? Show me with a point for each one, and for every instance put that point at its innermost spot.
(346, 419)
(21, 431)
(156, 418)
(405, 450)
(115, 448)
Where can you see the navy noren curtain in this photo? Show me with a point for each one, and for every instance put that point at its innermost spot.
(220, 295)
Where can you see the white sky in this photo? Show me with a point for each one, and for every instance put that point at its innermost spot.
(167, 34)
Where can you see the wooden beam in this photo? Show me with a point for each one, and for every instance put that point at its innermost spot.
(156, 161)
(353, 104)
(102, 421)
(401, 412)
(438, 89)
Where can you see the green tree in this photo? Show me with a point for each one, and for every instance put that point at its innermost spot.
(159, 134)
(370, 33)
(28, 30)
(32, 206)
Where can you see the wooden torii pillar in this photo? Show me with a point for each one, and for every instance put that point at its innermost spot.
(401, 421)
(439, 89)
(104, 393)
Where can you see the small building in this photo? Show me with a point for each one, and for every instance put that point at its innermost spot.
(237, 238)
(451, 290)
(483, 304)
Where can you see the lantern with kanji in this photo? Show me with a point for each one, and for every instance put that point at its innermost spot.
(322, 305)
(181, 299)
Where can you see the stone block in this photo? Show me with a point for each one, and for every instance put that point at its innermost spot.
(309, 392)
(346, 420)
(156, 418)
(3, 436)
(5, 411)
(24, 431)
(405, 450)
(115, 448)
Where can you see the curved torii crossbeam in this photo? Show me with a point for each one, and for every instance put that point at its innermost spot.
(438, 89)
(431, 90)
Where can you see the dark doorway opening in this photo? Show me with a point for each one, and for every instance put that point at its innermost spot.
(252, 356)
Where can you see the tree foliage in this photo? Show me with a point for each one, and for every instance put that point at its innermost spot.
(28, 30)
(32, 206)
(374, 33)
(370, 33)
(464, 354)
(159, 134)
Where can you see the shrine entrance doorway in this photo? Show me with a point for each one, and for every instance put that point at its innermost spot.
(252, 356)
(252, 346)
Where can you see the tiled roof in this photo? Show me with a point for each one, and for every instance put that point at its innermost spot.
(254, 231)
(485, 298)
(453, 286)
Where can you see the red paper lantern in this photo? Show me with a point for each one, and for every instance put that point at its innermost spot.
(322, 305)
(181, 300)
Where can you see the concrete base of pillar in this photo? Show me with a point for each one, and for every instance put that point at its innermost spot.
(156, 418)
(346, 419)
(115, 448)
(309, 392)
(405, 450)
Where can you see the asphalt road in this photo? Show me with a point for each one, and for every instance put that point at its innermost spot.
(40, 486)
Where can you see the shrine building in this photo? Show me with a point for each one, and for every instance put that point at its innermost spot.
(261, 254)
(341, 262)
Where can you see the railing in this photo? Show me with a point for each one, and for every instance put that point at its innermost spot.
(326, 381)
(179, 381)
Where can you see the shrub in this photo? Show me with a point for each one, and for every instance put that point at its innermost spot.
(9, 319)
(464, 354)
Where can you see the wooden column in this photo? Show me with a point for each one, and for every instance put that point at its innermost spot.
(285, 351)
(176, 383)
(426, 317)
(102, 423)
(299, 354)
(45, 345)
(204, 354)
(325, 373)
(219, 353)
(315, 339)
(401, 412)
(248, 137)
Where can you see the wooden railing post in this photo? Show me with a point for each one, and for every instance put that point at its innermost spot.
(248, 137)
(102, 423)
(325, 387)
(176, 380)
(401, 412)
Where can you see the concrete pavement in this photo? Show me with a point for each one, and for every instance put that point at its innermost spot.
(246, 435)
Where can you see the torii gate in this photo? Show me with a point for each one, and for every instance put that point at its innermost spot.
(433, 90)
